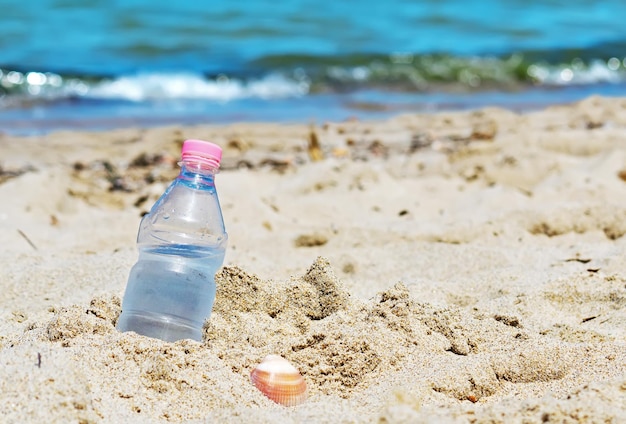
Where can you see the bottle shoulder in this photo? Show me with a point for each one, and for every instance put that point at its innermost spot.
(185, 214)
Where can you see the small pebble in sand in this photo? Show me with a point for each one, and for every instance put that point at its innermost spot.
(311, 240)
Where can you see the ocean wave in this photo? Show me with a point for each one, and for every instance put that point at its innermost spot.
(427, 72)
(159, 86)
(295, 76)
(146, 86)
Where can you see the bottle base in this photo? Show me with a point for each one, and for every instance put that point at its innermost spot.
(164, 327)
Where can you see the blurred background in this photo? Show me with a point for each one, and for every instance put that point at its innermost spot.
(96, 64)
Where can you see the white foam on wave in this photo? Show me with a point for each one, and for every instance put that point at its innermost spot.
(612, 71)
(160, 86)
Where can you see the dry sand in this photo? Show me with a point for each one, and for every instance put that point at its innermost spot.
(459, 267)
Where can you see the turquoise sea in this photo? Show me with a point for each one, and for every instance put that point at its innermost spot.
(95, 64)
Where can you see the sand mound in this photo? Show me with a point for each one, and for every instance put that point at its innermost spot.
(85, 370)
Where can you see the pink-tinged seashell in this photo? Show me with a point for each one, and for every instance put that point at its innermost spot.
(280, 381)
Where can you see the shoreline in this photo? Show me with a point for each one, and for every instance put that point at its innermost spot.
(458, 266)
(366, 105)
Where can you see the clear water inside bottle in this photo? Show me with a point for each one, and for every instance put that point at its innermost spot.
(170, 292)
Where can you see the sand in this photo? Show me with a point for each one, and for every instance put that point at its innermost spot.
(463, 267)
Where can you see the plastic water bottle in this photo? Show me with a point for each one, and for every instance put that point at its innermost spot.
(182, 241)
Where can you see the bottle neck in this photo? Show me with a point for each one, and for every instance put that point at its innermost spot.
(197, 173)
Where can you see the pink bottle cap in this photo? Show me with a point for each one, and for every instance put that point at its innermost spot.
(202, 151)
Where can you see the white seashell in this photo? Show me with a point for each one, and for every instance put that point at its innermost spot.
(280, 381)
